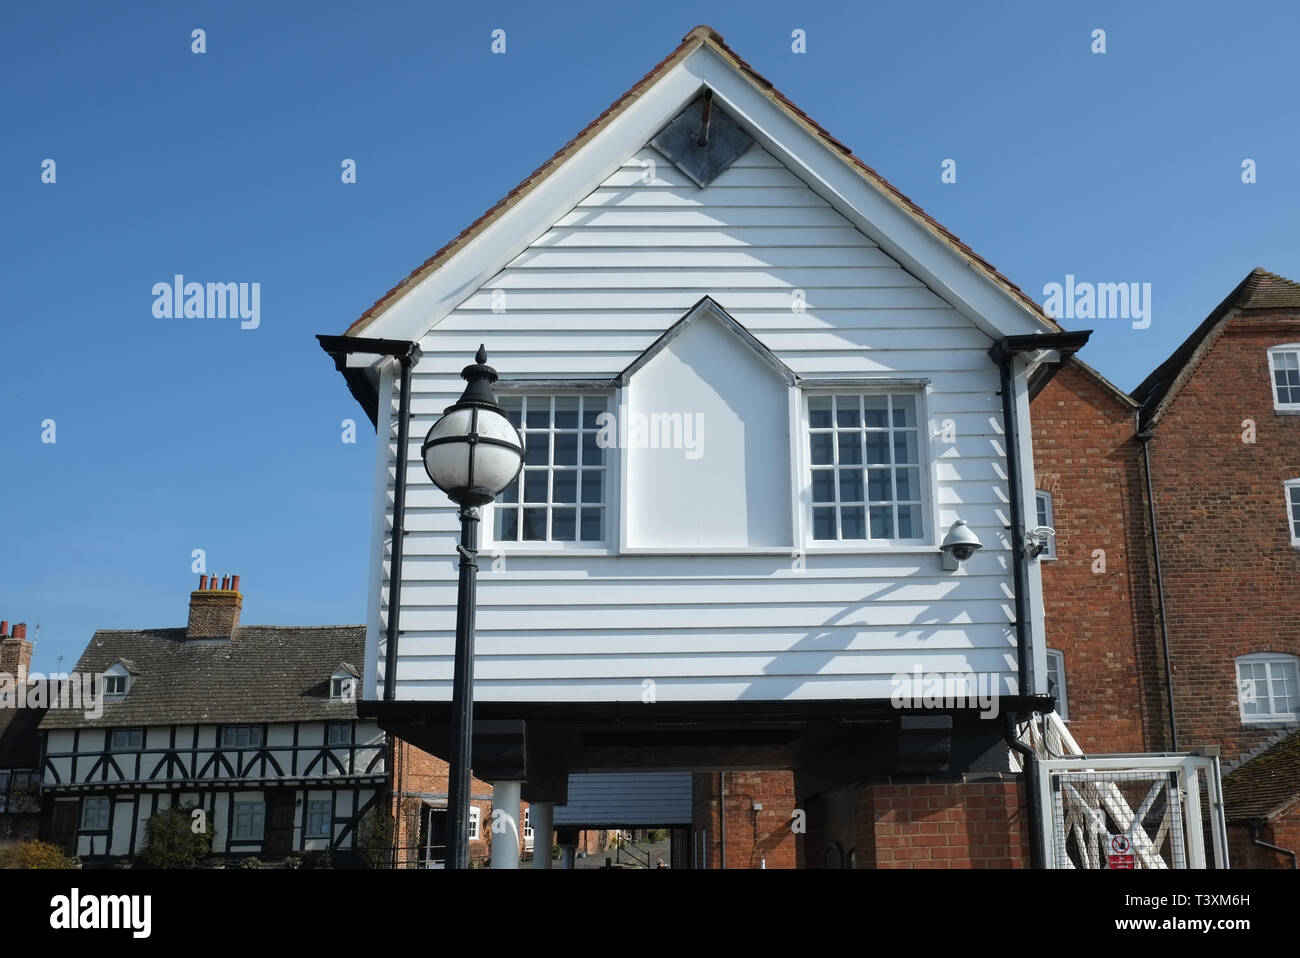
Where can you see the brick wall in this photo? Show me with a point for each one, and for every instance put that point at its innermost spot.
(421, 779)
(755, 838)
(1284, 831)
(1230, 571)
(1096, 592)
(928, 824)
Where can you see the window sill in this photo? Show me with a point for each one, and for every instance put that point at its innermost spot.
(1286, 410)
(1279, 722)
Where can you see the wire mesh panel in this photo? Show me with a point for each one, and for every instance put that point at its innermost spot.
(1117, 819)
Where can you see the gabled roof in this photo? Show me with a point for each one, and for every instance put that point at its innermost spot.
(708, 307)
(700, 37)
(1260, 291)
(1104, 384)
(1266, 786)
(263, 674)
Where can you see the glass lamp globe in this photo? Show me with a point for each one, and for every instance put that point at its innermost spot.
(473, 451)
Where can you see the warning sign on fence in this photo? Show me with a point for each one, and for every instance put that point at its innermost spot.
(1121, 852)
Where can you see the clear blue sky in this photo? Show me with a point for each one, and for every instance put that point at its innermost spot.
(178, 434)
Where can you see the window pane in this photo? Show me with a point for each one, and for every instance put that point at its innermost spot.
(511, 492)
(846, 412)
(564, 525)
(824, 523)
(882, 522)
(592, 407)
(850, 485)
(592, 524)
(534, 525)
(537, 448)
(513, 405)
(535, 485)
(877, 408)
(539, 413)
(850, 448)
(565, 486)
(822, 450)
(592, 454)
(878, 448)
(905, 447)
(904, 411)
(909, 522)
(593, 485)
(566, 448)
(566, 412)
(1041, 501)
(879, 488)
(853, 523)
(819, 412)
(908, 484)
(823, 485)
(507, 525)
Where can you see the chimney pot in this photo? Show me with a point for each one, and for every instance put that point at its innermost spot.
(4, 628)
(214, 611)
(203, 582)
(20, 630)
(234, 583)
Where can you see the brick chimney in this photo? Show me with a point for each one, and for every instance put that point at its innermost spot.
(214, 610)
(15, 652)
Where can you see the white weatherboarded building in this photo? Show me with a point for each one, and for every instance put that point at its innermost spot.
(705, 269)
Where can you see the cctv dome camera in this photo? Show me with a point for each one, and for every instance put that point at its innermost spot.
(959, 545)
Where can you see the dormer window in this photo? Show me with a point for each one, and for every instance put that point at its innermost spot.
(115, 681)
(1284, 363)
(343, 686)
(115, 685)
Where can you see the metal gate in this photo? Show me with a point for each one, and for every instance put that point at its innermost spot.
(1132, 811)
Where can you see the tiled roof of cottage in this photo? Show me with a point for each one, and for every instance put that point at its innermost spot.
(263, 674)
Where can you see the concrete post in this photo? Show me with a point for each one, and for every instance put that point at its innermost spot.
(541, 816)
(505, 824)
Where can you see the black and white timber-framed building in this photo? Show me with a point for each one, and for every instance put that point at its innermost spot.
(256, 725)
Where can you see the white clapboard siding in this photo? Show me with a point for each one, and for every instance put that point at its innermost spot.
(583, 301)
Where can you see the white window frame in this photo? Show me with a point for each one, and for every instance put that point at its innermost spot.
(1273, 353)
(1041, 496)
(528, 831)
(117, 679)
(328, 822)
(917, 389)
(1063, 695)
(339, 686)
(475, 813)
(259, 818)
(253, 731)
(1291, 492)
(133, 742)
(1279, 661)
(607, 543)
(332, 727)
(101, 820)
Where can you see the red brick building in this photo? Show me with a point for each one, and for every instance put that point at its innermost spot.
(1096, 574)
(1225, 470)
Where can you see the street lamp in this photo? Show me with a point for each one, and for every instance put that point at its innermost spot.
(471, 453)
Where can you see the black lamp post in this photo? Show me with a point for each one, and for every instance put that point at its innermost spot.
(471, 453)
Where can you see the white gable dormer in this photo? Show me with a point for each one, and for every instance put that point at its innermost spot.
(116, 680)
(703, 429)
